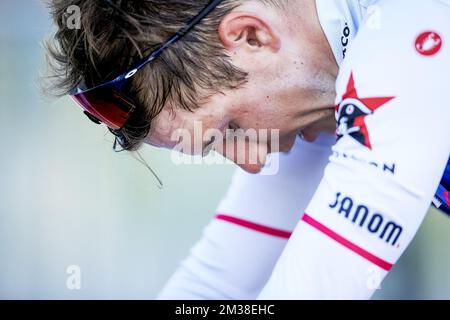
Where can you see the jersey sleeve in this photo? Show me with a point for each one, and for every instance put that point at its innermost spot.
(240, 246)
(393, 114)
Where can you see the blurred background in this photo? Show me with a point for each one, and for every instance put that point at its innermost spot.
(67, 199)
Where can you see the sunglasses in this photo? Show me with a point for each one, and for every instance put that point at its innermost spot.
(107, 103)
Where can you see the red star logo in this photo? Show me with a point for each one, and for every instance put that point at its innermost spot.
(371, 104)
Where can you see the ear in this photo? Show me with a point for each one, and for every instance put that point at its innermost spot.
(247, 31)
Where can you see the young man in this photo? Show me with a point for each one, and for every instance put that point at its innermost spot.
(301, 67)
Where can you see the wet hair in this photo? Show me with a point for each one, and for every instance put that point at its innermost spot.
(114, 34)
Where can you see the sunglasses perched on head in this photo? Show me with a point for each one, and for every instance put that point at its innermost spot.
(107, 103)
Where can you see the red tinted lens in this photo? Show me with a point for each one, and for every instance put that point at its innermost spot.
(106, 105)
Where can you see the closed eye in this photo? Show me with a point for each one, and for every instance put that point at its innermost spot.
(233, 126)
(208, 147)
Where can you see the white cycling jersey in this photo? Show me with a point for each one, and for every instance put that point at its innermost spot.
(336, 218)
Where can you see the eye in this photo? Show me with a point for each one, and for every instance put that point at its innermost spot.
(233, 126)
(231, 130)
(208, 147)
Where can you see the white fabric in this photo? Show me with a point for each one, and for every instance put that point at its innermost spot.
(389, 179)
(232, 262)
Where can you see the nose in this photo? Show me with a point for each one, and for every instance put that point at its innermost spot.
(250, 156)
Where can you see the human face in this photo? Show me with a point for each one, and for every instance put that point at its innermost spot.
(261, 105)
(290, 89)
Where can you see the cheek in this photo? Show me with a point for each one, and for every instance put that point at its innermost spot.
(263, 114)
(262, 105)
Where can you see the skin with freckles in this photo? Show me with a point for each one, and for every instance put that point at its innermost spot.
(291, 82)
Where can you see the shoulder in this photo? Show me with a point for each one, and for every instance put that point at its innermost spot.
(399, 45)
(392, 90)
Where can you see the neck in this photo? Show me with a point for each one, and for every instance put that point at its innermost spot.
(314, 36)
(322, 68)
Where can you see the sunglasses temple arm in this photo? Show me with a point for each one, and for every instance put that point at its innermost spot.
(177, 36)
